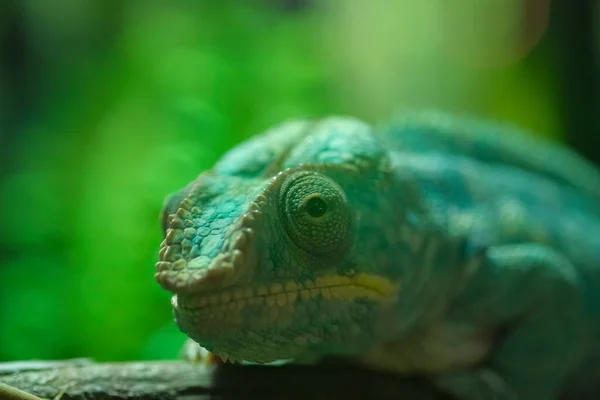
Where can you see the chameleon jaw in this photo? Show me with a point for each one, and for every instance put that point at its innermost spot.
(235, 323)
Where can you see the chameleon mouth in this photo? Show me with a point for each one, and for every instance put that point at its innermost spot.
(327, 287)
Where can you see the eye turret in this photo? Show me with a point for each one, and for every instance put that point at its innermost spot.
(316, 215)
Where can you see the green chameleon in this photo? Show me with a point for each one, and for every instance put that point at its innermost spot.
(459, 249)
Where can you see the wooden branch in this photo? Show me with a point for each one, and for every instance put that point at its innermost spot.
(166, 380)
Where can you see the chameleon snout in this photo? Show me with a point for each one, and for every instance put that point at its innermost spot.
(206, 252)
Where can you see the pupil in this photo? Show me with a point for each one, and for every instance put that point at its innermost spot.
(316, 207)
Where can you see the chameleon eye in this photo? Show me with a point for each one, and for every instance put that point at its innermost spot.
(316, 214)
(316, 207)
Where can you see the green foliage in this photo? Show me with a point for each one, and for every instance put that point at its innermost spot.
(139, 100)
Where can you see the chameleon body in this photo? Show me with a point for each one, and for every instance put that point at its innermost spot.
(446, 246)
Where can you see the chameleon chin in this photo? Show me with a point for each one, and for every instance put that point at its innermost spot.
(407, 246)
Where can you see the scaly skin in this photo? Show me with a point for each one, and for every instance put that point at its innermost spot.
(434, 245)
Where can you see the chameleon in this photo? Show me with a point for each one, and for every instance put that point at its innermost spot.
(458, 248)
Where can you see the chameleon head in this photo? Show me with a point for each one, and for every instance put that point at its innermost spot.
(268, 269)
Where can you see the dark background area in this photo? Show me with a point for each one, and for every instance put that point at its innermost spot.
(107, 106)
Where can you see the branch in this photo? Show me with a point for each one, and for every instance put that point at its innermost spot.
(166, 380)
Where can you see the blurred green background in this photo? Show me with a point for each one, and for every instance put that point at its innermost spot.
(107, 106)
